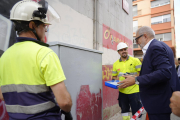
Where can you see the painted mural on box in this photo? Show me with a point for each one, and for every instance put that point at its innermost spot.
(111, 38)
(88, 105)
(110, 95)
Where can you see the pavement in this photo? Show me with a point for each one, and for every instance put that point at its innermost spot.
(117, 116)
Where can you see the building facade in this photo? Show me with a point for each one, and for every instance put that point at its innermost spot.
(91, 24)
(157, 14)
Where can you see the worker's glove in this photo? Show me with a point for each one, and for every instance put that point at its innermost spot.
(68, 115)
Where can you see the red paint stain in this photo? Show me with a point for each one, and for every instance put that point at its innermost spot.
(88, 105)
(110, 95)
(3, 113)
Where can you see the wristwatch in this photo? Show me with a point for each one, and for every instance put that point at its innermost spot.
(136, 81)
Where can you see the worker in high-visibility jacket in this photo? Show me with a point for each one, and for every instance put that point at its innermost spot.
(128, 97)
(28, 69)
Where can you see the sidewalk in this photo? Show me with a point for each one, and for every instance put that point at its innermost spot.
(117, 116)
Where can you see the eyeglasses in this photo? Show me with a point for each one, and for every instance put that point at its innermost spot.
(136, 39)
(46, 27)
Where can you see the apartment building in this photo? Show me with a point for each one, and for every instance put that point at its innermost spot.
(157, 14)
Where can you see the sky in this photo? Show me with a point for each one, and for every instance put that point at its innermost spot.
(177, 26)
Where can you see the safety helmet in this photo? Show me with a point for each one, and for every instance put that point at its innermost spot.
(27, 10)
(121, 45)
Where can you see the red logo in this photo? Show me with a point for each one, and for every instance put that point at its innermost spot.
(119, 69)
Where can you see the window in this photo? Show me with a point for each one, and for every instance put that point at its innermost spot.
(163, 37)
(135, 26)
(167, 18)
(161, 19)
(134, 43)
(159, 37)
(158, 3)
(167, 36)
(135, 12)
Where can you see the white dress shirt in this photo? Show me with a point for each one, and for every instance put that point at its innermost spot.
(146, 47)
(178, 71)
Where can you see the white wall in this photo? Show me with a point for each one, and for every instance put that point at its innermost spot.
(111, 14)
(74, 28)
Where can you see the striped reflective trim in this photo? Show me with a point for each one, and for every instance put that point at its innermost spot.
(134, 73)
(125, 114)
(138, 66)
(30, 109)
(120, 74)
(114, 72)
(24, 88)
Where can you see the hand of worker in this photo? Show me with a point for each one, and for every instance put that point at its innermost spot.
(175, 103)
(129, 80)
(68, 115)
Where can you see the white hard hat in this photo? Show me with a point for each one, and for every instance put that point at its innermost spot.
(28, 10)
(121, 45)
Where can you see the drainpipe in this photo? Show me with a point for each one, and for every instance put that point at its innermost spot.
(95, 41)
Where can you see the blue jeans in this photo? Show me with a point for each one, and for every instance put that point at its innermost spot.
(129, 100)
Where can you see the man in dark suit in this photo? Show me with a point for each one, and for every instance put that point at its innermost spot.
(158, 77)
(178, 68)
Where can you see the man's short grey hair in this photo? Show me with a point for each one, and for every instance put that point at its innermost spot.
(146, 30)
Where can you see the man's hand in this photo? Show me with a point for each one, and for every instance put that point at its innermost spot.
(1, 96)
(129, 81)
(175, 103)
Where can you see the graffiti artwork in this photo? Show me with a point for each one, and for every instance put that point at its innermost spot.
(110, 95)
(111, 38)
(89, 105)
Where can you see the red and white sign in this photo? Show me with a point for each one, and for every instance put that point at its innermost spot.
(125, 6)
(137, 114)
(111, 38)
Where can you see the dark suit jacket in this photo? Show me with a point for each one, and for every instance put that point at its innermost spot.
(158, 78)
(177, 68)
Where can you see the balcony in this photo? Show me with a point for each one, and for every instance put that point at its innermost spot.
(135, 45)
(161, 9)
(135, 13)
(164, 20)
(161, 27)
(162, 4)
